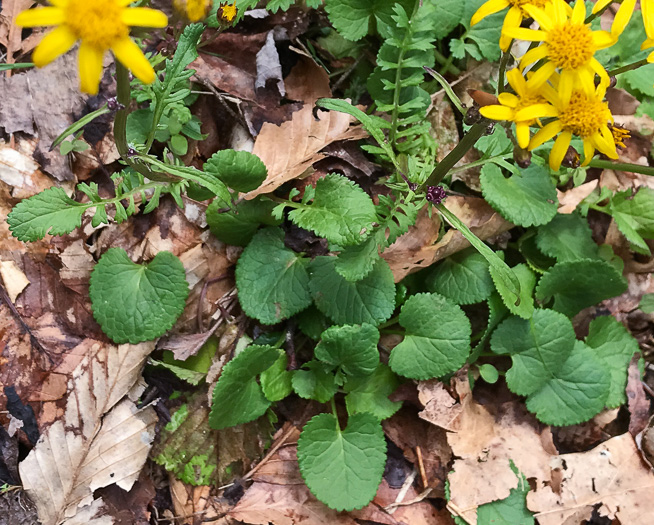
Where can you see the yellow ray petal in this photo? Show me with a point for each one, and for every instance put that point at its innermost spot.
(144, 17)
(490, 7)
(496, 112)
(41, 16)
(535, 54)
(536, 111)
(544, 20)
(566, 85)
(131, 56)
(622, 17)
(521, 33)
(542, 75)
(508, 99)
(522, 134)
(55, 43)
(512, 20)
(603, 39)
(90, 68)
(517, 81)
(589, 151)
(600, 4)
(559, 149)
(579, 12)
(545, 134)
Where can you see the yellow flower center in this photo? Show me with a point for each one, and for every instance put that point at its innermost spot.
(584, 116)
(96, 22)
(570, 45)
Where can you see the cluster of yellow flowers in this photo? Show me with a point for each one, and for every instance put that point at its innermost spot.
(565, 83)
(102, 25)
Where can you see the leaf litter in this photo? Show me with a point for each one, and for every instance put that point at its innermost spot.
(85, 392)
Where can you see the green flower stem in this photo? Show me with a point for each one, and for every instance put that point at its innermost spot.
(481, 162)
(506, 56)
(628, 67)
(621, 166)
(454, 156)
(447, 88)
(390, 322)
(593, 16)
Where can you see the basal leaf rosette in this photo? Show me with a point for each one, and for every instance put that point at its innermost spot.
(137, 302)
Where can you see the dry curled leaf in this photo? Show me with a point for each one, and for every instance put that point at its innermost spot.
(611, 478)
(102, 439)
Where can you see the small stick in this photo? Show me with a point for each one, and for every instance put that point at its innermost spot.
(421, 466)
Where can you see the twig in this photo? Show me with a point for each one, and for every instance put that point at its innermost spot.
(421, 466)
(400, 496)
(273, 449)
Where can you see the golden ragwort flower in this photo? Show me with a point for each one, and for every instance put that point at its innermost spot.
(227, 12)
(568, 45)
(100, 25)
(513, 18)
(586, 116)
(194, 10)
(511, 104)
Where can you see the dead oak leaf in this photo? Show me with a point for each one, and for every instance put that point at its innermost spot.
(611, 477)
(291, 148)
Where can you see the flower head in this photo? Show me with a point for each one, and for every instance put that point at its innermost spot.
(511, 104)
(568, 45)
(227, 12)
(100, 25)
(513, 18)
(194, 10)
(584, 115)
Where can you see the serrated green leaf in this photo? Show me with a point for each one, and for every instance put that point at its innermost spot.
(240, 170)
(575, 285)
(355, 262)
(370, 300)
(237, 397)
(352, 18)
(567, 238)
(634, 216)
(315, 380)
(527, 280)
(370, 393)
(614, 346)
(538, 348)
(464, 278)
(238, 226)
(447, 15)
(528, 199)
(49, 212)
(437, 339)
(137, 302)
(342, 468)
(511, 510)
(272, 281)
(576, 393)
(276, 381)
(497, 312)
(352, 348)
(341, 211)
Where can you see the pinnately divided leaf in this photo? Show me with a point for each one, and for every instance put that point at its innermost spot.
(437, 339)
(341, 211)
(50, 211)
(343, 468)
(137, 302)
(237, 397)
(271, 280)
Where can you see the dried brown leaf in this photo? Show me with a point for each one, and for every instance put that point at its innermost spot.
(102, 439)
(612, 477)
(290, 149)
(637, 400)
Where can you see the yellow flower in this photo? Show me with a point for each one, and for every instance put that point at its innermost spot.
(193, 9)
(586, 116)
(99, 25)
(513, 17)
(510, 105)
(568, 44)
(623, 15)
(227, 12)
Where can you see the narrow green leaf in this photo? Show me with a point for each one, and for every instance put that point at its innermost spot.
(525, 306)
(76, 126)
